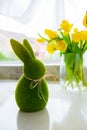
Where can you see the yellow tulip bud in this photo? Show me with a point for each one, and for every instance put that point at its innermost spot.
(51, 48)
(85, 20)
(40, 40)
(51, 34)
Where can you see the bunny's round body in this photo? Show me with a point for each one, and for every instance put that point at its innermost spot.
(29, 98)
(31, 93)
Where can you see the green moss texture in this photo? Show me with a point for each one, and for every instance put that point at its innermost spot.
(27, 99)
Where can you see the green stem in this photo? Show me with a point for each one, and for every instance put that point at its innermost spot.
(43, 37)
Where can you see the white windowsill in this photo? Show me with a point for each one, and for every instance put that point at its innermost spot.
(13, 70)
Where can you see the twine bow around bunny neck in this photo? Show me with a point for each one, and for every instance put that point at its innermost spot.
(36, 83)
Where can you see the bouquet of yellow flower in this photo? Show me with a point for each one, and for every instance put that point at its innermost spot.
(72, 43)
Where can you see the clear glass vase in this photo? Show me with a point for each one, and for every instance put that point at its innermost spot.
(71, 71)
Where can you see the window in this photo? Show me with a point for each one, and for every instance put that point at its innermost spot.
(30, 18)
(21, 19)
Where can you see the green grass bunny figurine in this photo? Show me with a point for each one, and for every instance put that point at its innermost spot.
(31, 92)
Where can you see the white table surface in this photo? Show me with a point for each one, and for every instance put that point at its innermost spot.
(65, 110)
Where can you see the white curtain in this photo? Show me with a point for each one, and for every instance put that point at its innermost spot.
(25, 18)
(30, 16)
(20, 10)
(75, 10)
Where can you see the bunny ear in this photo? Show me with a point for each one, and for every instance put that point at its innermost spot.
(20, 50)
(29, 48)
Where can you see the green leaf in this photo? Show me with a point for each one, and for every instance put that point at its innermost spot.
(75, 48)
(61, 53)
(84, 47)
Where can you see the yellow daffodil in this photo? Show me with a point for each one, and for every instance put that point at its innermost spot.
(50, 33)
(41, 40)
(85, 20)
(51, 47)
(66, 26)
(61, 45)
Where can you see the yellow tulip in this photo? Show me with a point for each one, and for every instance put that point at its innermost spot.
(80, 35)
(83, 35)
(85, 20)
(76, 37)
(61, 45)
(75, 29)
(50, 48)
(66, 26)
(50, 33)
